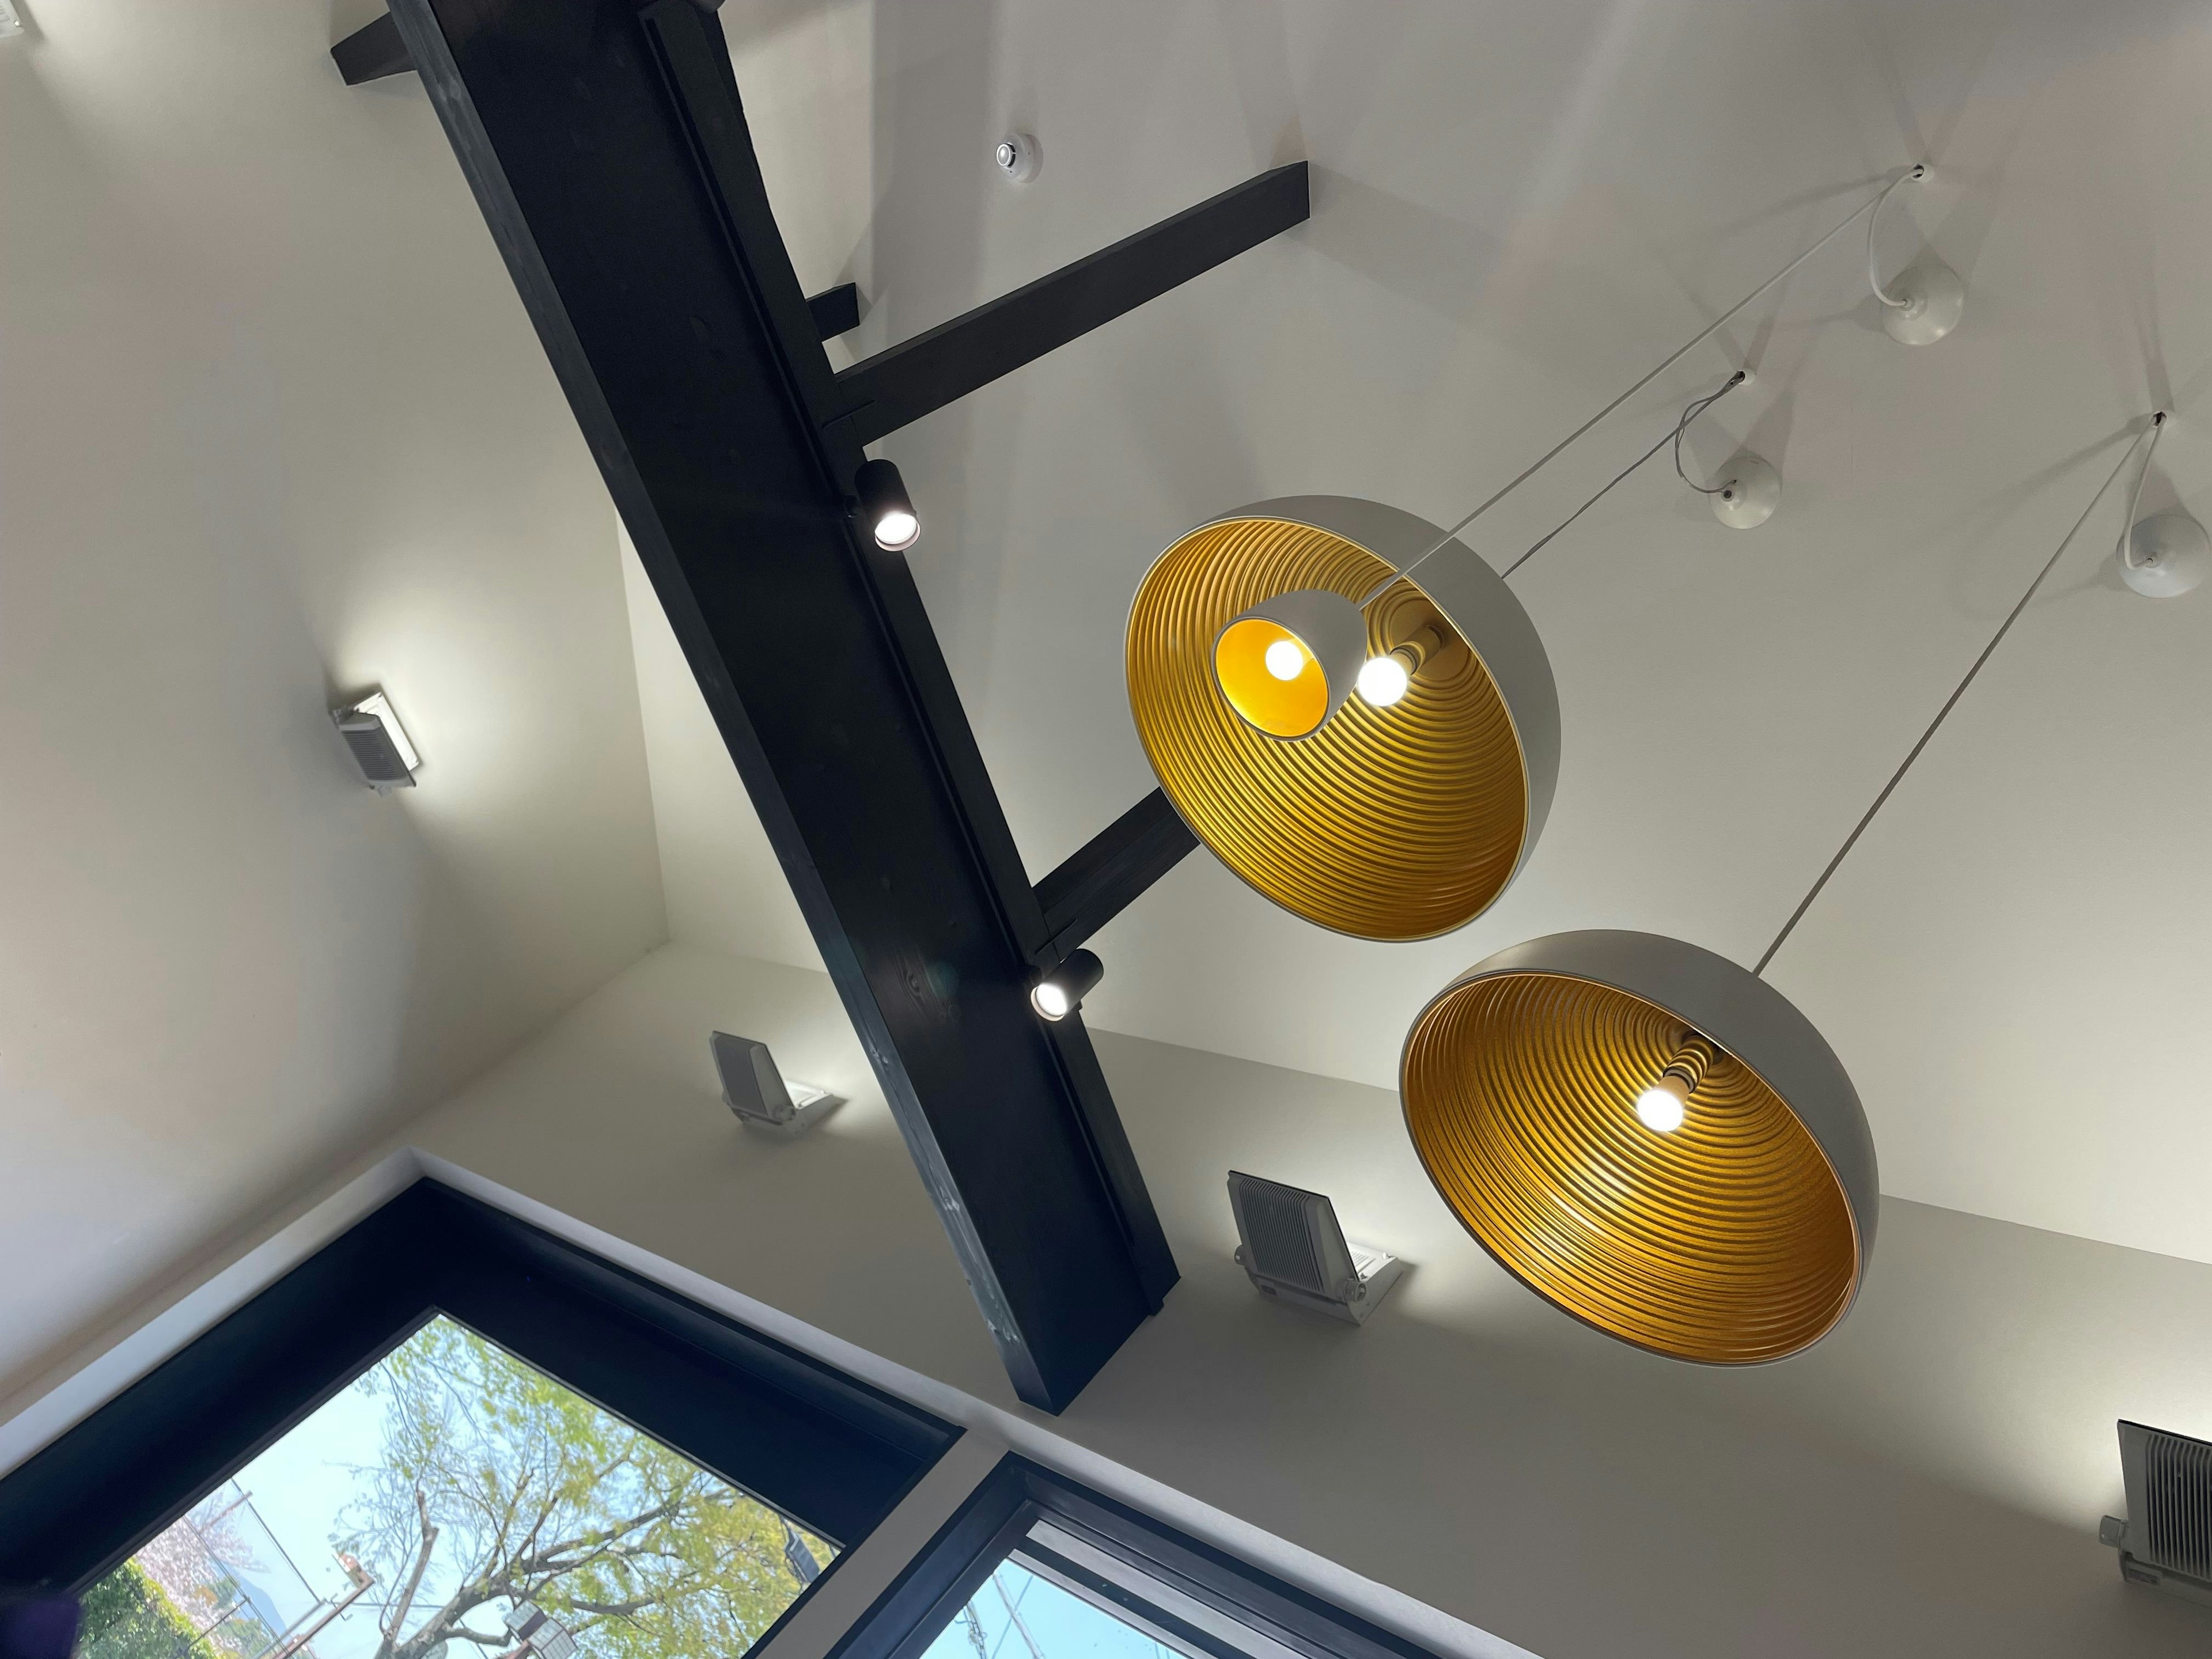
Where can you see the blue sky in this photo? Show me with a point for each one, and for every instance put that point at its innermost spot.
(1061, 1625)
(299, 1486)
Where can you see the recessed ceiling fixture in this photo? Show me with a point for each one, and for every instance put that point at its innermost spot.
(886, 508)
(1653, 1138)
(1351, 709)
(1930, 297)
(1059, 992)
(2164, 557)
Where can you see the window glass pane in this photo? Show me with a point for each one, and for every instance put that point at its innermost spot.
(456, 1504)
(1019, 1614)
(1057, 1597)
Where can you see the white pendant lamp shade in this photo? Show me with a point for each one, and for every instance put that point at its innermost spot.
(1287, 664)
(1399, 815)
(1651, 1138)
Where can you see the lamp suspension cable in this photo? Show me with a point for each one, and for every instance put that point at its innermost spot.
(2126, 552)
(2157, 421)
(1697, 407)
(1874, 270)
(1682, 426)
(1692, 344)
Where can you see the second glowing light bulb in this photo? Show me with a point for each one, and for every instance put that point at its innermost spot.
(1286, 659)
(1383, 680)
(1662, 1107)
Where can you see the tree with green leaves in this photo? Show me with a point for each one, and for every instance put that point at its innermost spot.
(498, 1485)
(126, 1616)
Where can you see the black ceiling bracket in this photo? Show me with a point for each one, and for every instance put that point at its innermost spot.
(608, 147)
(372, 52)
(900, 386)
(1100, 879)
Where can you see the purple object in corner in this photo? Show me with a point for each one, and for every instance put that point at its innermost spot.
(38, 1627)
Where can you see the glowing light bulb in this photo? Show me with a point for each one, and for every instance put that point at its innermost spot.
(1286, 659)
(1383, 680)
(1050, 1000)
(1660, 1107)
(897, 529)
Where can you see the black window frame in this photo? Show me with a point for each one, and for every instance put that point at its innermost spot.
(832, 1452)
(994, 1522)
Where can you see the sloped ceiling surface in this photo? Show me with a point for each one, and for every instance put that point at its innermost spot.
(1517, 211)
(273, 428)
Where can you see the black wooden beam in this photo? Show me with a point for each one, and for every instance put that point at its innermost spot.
(372, 54)
(902, 384)
(1099, 880)
(835, 310)
(608, 150)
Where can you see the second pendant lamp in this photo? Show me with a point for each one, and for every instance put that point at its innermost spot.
(1652, 1138)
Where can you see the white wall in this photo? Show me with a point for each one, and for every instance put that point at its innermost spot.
(1927, 1482)
(273, 427)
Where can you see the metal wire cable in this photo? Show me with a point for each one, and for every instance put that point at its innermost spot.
(1682, 426)
(1694, 342)
(1949, 703)
(2125, 551)
(1695, 410)
(1919, 170)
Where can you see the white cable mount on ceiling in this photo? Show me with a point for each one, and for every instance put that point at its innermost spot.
(1760, 489)
(1930, 297)
(2164, 557)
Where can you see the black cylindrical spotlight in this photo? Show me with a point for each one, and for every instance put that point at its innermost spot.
(886, 508)
(1060, 992)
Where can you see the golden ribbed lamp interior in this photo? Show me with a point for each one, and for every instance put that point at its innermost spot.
(1390, 823)
(1727, 1241)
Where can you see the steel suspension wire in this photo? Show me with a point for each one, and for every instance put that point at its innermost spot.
(1697, 408)
(1692, 344)
(1951, 702)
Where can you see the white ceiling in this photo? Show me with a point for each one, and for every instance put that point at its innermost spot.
(1517, 211)
(273, 427)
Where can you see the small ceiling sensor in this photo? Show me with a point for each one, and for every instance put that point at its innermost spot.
(1019, 156)
(1749, 492)
(378, 744)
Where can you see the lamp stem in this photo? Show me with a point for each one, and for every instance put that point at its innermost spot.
(1950, 702)
(1694, 342)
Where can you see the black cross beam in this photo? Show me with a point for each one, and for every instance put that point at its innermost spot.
(608, 148)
